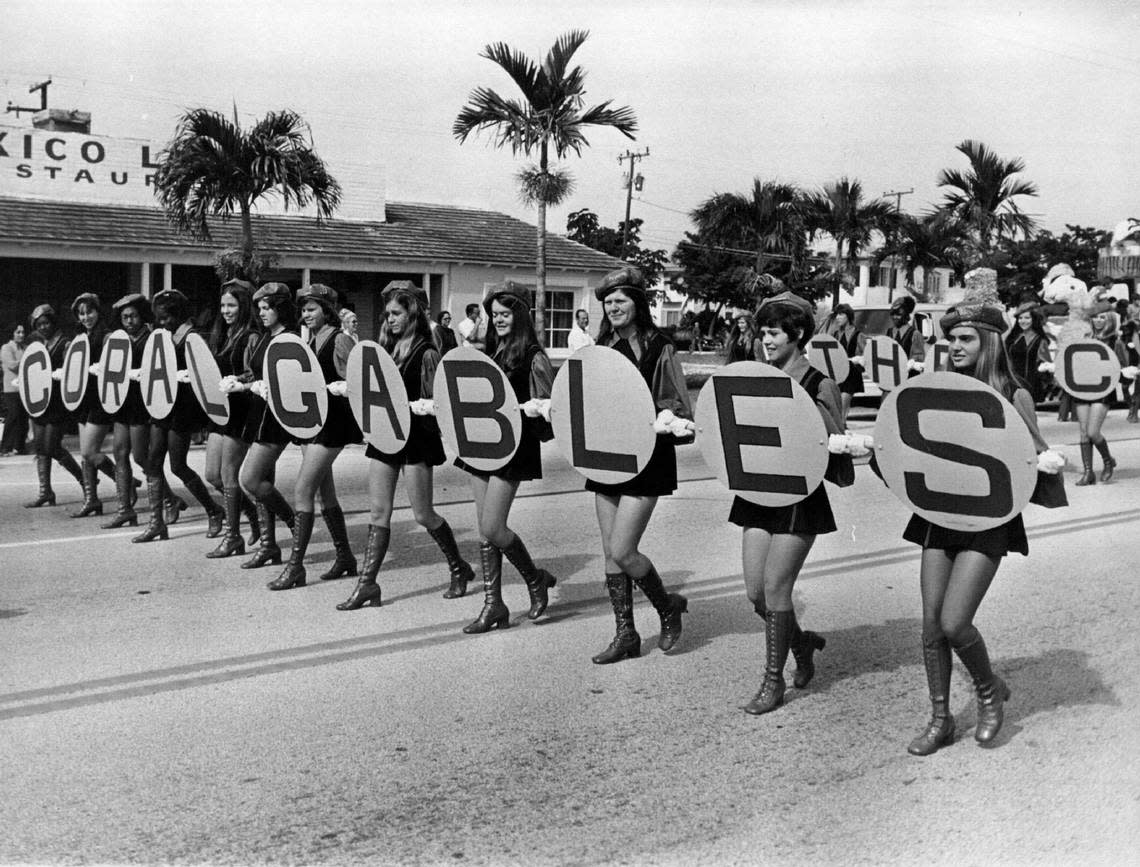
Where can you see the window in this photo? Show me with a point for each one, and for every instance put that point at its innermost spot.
(559, 317)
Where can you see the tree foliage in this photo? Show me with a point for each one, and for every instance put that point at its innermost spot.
(1022, 265)
(935, 240)
(212, 167)
(584, 227)
(550, 116)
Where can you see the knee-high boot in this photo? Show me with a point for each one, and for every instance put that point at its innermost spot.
(1088, 477)
(294, 573)
(279, 506)
(43, 475)
(777, 637)
(669, 607)
(91, 503)
(156, 529)
(538, 581)
(171, 504)
(940, 730)
(1109, 462)
(125, 489)
(992, 691)
(344, 563)
(804, 644)
(268, 550)
(68, 462)
(626, 643)
(215, 515)
(367, 591)
(232, 542)
(460, 569)
(253, 518)
(494, 613)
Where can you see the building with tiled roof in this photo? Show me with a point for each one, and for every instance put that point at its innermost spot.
(58, 239)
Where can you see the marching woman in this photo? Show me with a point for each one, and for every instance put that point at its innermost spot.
(513, 345)
(407, 336)
(277, 315)
(624, 509)
(48, 429)
(852, 340)
(171, 435)
(957, 567)
(1028, 347)
(1092, 413)
(131, 422)
(94, 421)
(231, 341)
(777, 539)
(332, 347)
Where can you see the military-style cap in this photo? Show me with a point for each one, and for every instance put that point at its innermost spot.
(508, 289)
(905, 303)
(237, 283)
(135, 300)
(324, 295)
(88, 298)
(43, 310)
(279, 291)
(980, 307)
(787, 299)
(170, 296)
(407, 287)
(627, 278)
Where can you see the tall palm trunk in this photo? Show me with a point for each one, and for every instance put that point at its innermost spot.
(540, 265)
(838, 272)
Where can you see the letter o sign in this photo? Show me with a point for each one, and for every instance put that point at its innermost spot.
(75, 376)
(1087, 369)
(955, 452)
(761, 434)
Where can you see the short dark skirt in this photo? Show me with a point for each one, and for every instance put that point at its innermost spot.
(1009, 537)
(658, 479)
(811, 515)
(56, 413)
(340, 427)
(261, 425)
(133, 411)
(240, 403)
(90, 409)
(424, 446)
(187, 415)
(853, 384)
(525, 466)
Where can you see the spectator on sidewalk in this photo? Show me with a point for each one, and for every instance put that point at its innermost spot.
(15, 417)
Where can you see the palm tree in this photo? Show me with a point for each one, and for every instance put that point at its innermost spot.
(550, 116)
(769, 221)
(839, 210)
(935, 240)
(983, 196)
(212, 167)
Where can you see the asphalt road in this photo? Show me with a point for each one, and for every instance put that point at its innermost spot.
(158, 707)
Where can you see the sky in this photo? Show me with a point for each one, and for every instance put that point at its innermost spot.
(724, 92)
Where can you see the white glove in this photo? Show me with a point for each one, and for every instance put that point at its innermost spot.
(259, 388)
(918, 366)
(57, 375)
(663, 420)
(1130, 371)
(229, 384)
(1050, 462)
(134, 374)
(423, 406)
(183, 376)
(94, 369)
(857, 360)
(682, 428)
(1046, 367)
(856, 445)
(338, 388)
(535, 407)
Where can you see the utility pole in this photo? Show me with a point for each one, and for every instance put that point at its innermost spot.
(898, 194)
(633, 158)
(42, 87)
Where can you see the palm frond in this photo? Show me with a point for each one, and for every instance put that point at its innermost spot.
(548, 188)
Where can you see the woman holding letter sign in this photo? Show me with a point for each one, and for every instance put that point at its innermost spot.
(48, 427)
(275, 310)
(777, 539)
(407, 336)
(624, 509)
(332, 347)
(231, 341)
(513, 345)
(957, 567)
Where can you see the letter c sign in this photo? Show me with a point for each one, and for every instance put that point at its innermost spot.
(1087, 369)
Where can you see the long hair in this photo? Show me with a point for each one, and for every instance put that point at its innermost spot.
(993, 366)
(1036, 326)
(400, 346)
(224, 337)
(642, 320)
(510, 352)
(286, 311)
